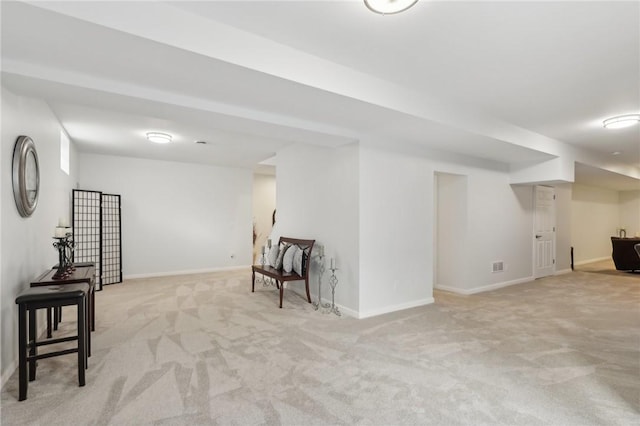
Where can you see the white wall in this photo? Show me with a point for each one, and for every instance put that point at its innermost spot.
(176, 217)
(595, 216)
(264, 203)
(451, 230)
(26, 242)
(630, 212)
(317, 198)
(563, 227)
(391, 203)
(396, 231)
(4, 373)
(499, 227)
(390, 258)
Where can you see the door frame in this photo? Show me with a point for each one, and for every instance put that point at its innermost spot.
(534, 239)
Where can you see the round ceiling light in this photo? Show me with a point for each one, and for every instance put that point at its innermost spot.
(158, 137)
(621, 121)
(389, 7)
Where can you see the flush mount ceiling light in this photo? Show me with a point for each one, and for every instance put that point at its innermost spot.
(388, 7)
(621, 121)
(158, 137)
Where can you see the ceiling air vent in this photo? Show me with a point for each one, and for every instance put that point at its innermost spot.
(497, 266)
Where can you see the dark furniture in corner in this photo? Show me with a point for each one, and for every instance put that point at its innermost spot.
(279, 275)
(83, 273)
(624, 254)
(49, 297)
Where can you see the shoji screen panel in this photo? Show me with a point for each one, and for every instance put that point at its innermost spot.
(111, 239)
(87, 229)
(97, 233)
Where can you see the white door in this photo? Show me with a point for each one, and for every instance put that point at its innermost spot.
(544, 246)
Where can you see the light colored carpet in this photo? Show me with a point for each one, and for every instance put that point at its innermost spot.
(202, 349)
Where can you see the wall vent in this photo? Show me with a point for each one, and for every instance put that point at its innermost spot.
(497, 266)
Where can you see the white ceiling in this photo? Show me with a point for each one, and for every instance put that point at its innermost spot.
(506, 81)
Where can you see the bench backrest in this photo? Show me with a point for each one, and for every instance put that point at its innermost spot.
(306, 246)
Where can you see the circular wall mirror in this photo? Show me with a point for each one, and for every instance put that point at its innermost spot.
(26, 176)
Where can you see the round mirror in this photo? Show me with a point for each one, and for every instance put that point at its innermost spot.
(26, 176)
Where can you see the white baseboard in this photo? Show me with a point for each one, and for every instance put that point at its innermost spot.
(450, 289)
(598, 259)
(484, 288)
(186, 272)
(343, 309)
(346, 311)
(360, 315)
(394, 308)
(563, 271)
(301, 292)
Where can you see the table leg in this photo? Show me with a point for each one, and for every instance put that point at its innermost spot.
(89, 324)
(49, 319)
(93, 309)
(22, 352)
(57, 316)
(33, 349)
(82, 343)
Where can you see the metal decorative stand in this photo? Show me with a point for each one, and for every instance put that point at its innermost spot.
(333, 282)
(262, 262)
(71, 246)
(266, 281)
(65, 247)
(318, 304)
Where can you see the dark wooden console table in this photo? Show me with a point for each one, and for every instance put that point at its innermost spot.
(84, 273)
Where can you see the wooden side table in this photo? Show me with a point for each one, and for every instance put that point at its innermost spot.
(54, 296)
(84, 273)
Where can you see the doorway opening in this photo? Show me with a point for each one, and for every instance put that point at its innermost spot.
(264, 206)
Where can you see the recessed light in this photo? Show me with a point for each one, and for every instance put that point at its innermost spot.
(389, 7)
(158, 137)
(621, 121)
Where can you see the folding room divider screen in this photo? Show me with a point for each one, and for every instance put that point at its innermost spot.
(111, 240)
(97, 234)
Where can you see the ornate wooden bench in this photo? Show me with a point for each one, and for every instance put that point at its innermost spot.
(279, 275)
